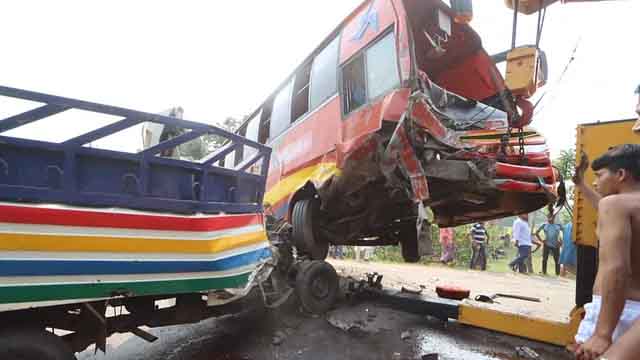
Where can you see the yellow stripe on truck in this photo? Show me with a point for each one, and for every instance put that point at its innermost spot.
(63, 243)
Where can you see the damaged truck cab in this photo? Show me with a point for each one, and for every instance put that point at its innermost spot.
(399, 119)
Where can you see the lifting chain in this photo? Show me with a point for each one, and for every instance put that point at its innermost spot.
(521, 144)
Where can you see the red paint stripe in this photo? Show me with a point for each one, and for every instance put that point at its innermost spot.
(47, 216)
(524, 172)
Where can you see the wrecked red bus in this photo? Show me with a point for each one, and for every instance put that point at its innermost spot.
(399, 119)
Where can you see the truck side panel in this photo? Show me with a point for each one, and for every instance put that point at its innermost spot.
(594, 139)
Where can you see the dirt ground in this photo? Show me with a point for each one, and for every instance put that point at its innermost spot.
(555, 293)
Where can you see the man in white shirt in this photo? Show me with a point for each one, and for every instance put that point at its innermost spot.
(522, 235)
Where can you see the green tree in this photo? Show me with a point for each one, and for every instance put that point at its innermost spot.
(230, 124)
(566, 163)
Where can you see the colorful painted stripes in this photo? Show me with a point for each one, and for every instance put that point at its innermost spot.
(48, 267)
(53, 254)
(101, 290)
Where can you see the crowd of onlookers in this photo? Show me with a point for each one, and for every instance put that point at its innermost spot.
(554, 239)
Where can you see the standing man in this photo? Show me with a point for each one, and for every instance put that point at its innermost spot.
(479, 238)
(551, 243)
(522, 235)
(616, 299)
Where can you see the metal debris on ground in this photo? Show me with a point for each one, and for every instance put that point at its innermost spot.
(411, 291)
(525, 352)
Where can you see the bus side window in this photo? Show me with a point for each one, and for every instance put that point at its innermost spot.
(324, 74)
(382, 66)
(265, 121)
(300, 103)
(370, 74)
(239, 153)
(354, 87)
(253, 130)
(281, 113)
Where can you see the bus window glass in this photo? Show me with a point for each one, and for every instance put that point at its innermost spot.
(382, 67)
(324, 74)
(265, 121)
(354, 86)
(230, 160)
(253, 129)
(239, 153)
(281, 113)
(300, 103)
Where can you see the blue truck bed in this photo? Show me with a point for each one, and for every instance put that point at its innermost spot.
(72, 173)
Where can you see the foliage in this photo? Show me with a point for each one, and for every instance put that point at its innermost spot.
(566, 163)
(230, 124)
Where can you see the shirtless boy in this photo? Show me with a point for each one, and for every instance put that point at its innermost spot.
(616, 300)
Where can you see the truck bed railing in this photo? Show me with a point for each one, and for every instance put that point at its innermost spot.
(70, 172)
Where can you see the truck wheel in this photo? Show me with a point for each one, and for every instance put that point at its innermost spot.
(33, 344)
(317, 286)
(305, 236)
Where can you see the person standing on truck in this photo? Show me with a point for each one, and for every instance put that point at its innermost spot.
(478, 237)
(522, 235)
(616, 299)
(551, 243)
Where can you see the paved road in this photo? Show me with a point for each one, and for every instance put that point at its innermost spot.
(364, 331)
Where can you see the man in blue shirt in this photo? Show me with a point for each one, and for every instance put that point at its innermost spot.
(552, 242)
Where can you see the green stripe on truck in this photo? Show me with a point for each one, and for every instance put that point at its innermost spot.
(46, 292)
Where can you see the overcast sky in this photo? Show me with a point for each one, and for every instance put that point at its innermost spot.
(219, 59)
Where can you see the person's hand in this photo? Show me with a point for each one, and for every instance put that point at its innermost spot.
(593, 348)
(578, 176)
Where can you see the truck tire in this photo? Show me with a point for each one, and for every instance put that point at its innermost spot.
(305, 236)
(317, 286)
(33, 344)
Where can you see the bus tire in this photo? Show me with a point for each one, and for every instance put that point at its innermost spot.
(305, 236)
(33, 344)
(409, 245)
(317, 286)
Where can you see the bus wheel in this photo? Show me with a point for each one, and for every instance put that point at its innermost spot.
(305, 236)
(317, 286)
(33, 344)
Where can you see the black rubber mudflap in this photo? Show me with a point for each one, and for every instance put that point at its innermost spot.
(586, 274)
